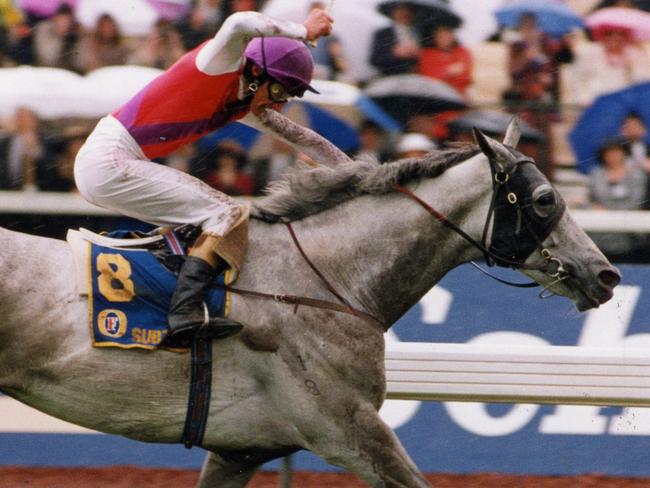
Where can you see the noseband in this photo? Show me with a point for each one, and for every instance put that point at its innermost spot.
(517, 230)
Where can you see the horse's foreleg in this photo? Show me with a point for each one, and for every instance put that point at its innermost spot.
(219, 473)
(370, 449)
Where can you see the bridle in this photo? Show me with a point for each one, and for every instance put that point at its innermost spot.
(506, 199)
(506, 247)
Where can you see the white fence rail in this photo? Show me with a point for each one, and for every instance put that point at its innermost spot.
(49, 203)
(563, 375)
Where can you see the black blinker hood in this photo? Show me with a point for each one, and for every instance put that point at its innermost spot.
(517, 229)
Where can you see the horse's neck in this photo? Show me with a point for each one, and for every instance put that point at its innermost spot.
(385, 252)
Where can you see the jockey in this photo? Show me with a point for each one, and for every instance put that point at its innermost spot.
(239, 71)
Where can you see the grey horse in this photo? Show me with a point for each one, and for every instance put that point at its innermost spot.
(305, 378)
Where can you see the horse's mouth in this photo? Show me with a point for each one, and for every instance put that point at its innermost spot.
(586, 300)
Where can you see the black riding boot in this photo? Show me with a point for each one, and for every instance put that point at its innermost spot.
(188, 311)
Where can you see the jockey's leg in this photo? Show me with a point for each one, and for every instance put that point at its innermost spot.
(111, 176)
(188, 310)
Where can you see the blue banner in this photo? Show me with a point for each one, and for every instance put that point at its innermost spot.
(458, 437)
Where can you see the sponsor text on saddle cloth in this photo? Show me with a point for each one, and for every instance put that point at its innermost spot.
(129, 297)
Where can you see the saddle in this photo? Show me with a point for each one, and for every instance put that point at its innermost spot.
(159, 243)
(129, 279)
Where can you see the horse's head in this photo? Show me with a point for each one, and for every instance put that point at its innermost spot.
(529, 228)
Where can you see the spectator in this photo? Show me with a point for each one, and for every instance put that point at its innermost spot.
(268, 169)
(533, 63)
(199, 24)
(634, 132)
(447, 60)
(55, 173)
(23, 150)
(329, 61)
(612, 63)
(56, 40)
(15, 36)
(413, 145)
(616, 185)
(396, 49)
(228, 176)
(162, 47)
(102, 47)
(229, 7)
(372, 139)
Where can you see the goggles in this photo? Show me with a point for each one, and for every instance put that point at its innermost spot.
(278, 93)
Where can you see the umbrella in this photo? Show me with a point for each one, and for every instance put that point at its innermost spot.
(553, 17)
(53, 92)
(171, 9)
(631, 19)
(49, 92)
(335, 114)
(404, 95)
(604, 118)
(426, 11)
(494, 124)
(642, 4)
(354, 25)
(43, 8)
(135, 17)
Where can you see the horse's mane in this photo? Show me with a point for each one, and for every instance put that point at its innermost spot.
(304, 191)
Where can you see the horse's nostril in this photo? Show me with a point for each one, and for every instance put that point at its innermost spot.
(609, 277)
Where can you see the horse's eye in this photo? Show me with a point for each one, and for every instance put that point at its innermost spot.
(544, 200)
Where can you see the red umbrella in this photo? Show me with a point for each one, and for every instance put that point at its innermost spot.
(634, 21)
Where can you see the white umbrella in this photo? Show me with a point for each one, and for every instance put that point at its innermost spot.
(54, 93)
(50, 92)
(135, 17)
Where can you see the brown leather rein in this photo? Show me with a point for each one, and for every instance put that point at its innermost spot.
(343, 306)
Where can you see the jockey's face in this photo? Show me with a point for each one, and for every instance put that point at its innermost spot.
(270, 94)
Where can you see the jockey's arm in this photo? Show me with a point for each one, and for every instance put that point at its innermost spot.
(223, 53)
(304, 140)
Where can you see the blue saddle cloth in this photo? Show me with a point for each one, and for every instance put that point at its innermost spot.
(129, 298)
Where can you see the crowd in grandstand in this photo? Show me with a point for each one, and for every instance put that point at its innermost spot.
(598, 61)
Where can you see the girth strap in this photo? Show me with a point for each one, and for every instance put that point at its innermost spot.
(198, 404)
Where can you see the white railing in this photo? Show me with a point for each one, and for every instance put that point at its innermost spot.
(561, 375)
(50, 203)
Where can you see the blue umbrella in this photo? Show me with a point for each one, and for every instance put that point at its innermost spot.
(603, 119)
(554, 18)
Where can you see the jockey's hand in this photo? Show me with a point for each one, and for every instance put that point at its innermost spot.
(318, 24)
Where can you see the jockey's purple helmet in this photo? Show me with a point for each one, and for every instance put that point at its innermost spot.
(285, 60)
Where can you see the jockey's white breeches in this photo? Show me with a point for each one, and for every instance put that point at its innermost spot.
(111, 171)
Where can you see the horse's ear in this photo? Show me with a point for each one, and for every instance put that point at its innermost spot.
(513, 133)
(483, 142)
